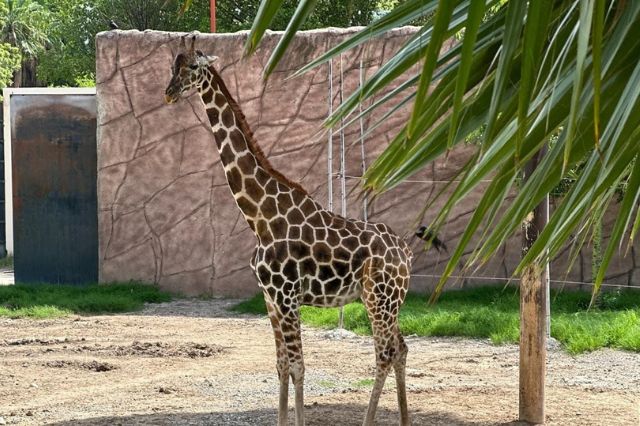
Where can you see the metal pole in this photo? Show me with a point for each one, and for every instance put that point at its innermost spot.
(212, 15)
(365, 200)
(330, 144)
(343, 188)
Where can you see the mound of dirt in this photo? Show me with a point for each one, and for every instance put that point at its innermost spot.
(163, 349)
(91, 366)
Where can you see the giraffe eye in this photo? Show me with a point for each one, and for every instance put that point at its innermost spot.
(194, 66)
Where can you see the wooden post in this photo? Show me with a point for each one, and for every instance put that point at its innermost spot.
(212, 15)
(533, 318)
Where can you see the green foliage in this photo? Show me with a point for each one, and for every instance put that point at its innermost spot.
(49, 300)
(493, 312)
(69, 59)
(25, 25)
(535, 70)
(235, 15)
(9, 63)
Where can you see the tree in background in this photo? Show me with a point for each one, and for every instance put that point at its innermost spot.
(10, 59)
(25, 26)
(238, 15)
(69, 59)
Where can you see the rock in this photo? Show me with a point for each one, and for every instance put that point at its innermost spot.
(33, 385)
(29, 413)
(553, 344)
(2, 421)
(340, 334)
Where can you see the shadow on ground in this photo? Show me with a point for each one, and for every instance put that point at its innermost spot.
(316, 415)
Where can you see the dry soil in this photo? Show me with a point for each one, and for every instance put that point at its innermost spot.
(192, 362)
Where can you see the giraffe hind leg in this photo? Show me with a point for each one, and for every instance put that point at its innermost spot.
(391, 351)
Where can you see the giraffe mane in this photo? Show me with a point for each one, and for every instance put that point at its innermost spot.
(248, 134)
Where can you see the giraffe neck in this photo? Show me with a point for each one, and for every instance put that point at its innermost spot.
(256, 186)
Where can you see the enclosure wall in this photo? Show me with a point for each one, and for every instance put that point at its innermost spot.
(166, 214)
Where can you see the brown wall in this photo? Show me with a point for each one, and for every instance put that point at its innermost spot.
(165, 213)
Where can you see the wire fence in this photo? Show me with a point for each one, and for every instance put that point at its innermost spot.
(516, 279)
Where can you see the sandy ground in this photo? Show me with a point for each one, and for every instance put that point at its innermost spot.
(194, 363)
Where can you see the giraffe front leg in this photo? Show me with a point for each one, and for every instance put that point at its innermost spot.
(282, 361)
(293, 339)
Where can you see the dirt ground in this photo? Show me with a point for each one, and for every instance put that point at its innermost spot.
(191, 362)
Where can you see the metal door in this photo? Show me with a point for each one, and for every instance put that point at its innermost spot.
(54, 171)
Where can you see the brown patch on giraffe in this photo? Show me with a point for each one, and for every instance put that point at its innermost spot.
(290, 269)
(237, 140)
(308, 207)
(294, 232)
(263, 232)
(262, 177)
(214, 115)
(284, 202)
(220, 135)
(226, 154)
(333, 238)
(247, 164)
(220, 100)
(321, 252)
(227, 117)
(246, 130)
(320, 233)
(268, 208)
(307, 234)
(253, 190)
(342, 268)
(295, 216)
(247, 207)
(299, 249)
(308, 267)
(207, 96)
(278, 228)
(340, 253)
(235, 180)
(315, 220)
(324, 272)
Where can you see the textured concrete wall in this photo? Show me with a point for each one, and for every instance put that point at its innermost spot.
(166, 214)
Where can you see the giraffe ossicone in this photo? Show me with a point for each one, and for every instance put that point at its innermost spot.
(305, 255)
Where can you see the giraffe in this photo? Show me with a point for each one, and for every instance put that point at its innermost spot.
(305, 254)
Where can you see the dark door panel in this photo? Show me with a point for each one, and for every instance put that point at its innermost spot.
(54, 188)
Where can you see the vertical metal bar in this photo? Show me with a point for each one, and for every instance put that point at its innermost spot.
(343, 187)
(330, 144)
(365, 200)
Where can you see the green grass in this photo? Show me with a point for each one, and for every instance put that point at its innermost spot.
(491, 312)
(51, 301)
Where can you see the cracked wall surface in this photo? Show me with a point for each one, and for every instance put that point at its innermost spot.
(166, 215)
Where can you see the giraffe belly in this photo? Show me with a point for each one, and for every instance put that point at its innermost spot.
(331, 294)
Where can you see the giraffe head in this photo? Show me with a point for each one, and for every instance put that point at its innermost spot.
(188, 70)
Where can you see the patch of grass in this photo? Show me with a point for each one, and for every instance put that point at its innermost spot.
(491, 312)
(52, 301)
(329, 384)
(6, 262)
(364, 383)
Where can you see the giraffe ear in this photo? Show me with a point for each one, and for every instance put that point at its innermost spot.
(211, 59)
